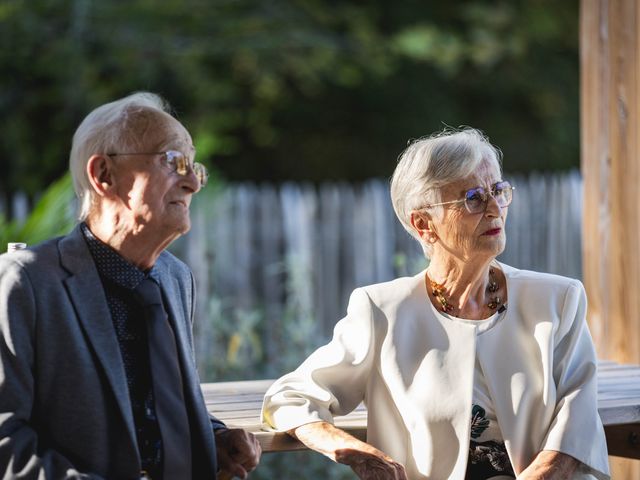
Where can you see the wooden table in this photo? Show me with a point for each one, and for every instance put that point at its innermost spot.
(238, 404)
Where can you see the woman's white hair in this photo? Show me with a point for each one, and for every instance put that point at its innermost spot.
(429, 163)
(107, 129)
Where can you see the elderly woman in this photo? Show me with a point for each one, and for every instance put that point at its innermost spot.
(469, 370)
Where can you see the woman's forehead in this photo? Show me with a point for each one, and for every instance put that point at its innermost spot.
(486, 174)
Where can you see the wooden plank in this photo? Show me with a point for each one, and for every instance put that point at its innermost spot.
(623, 440)
(271, 278)
(239, 403)
(282, 442)
(610, 82)
(610, 163)
(594, 130)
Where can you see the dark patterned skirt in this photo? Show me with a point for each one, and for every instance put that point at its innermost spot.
(487, 460)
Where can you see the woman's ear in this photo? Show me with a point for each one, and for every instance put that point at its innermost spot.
(100, 173)
(423, 225)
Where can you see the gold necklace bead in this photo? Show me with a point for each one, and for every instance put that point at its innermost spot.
(438, 293)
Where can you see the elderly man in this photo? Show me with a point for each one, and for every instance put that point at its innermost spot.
(97, 372)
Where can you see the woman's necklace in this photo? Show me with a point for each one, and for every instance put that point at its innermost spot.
(445, 305)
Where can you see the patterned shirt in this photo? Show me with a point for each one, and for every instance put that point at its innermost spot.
(488, 457)
(119, 279)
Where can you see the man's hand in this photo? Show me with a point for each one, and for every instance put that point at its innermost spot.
(238, 452)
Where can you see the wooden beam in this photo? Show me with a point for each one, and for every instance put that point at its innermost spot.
(623, 440)
(610, 82)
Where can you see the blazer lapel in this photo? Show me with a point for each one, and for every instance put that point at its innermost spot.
(87, 296)
(177, 303)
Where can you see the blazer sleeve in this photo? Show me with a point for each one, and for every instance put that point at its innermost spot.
(576, 428)
(22, 453)
(332, 380)
(215, 423)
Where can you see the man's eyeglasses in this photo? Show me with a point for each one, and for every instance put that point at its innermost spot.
(476, 199)
(177, 162)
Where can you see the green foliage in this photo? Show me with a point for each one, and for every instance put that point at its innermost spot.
(293, 89)
(236, 336)
(52, 216)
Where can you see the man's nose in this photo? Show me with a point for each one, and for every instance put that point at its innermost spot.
(191, 182)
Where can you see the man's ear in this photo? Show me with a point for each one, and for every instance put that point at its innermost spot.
(100, 173)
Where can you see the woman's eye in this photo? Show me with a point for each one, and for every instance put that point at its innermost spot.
(476, 197)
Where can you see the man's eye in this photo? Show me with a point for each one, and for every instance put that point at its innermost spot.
(181, 164)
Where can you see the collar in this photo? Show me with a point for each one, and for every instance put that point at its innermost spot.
(112, 265)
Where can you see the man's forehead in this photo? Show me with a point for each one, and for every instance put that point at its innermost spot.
(178, 141)
(141, 121)
(159, 129)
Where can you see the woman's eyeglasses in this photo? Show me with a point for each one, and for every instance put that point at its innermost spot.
(476, 199)
(177, 162)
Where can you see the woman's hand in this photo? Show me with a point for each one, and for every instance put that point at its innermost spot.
(371, 465)
(367, 462)
(550, 465)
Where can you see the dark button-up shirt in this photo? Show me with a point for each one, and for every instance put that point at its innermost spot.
(119, 279)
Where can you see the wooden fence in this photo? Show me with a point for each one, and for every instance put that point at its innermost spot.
(304, 248)
(296, 251)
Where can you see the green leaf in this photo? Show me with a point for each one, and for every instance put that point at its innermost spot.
(52, 216)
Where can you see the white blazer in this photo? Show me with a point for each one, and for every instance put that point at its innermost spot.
(414, 371)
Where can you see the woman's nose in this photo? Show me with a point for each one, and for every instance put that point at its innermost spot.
(493, 208)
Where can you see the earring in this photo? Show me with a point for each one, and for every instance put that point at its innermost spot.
(432, 238)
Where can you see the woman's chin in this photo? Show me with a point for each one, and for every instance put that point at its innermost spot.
(493, 248)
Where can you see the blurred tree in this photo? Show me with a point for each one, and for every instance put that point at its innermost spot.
(292, 89)
(52, 216)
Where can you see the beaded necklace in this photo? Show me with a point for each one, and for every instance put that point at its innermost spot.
(445, 305)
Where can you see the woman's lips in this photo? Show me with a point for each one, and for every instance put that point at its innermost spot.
(493, 231)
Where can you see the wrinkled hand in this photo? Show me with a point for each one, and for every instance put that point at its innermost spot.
(371, 465)
(550, 465)
(238, 452)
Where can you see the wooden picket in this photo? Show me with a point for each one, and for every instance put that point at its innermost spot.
(300, 249)
(307, 247)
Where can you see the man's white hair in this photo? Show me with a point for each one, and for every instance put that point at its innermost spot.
(429, 163)
(107, 129)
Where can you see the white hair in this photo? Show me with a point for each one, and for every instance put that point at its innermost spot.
(429, 163)
(107, 129)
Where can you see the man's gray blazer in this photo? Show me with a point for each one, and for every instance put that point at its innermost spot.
(65, 410)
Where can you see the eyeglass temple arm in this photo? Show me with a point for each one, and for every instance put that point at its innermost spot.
(444, 203)
(458, 201)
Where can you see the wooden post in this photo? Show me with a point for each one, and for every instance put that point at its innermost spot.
(610, 83)
(610, 86)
